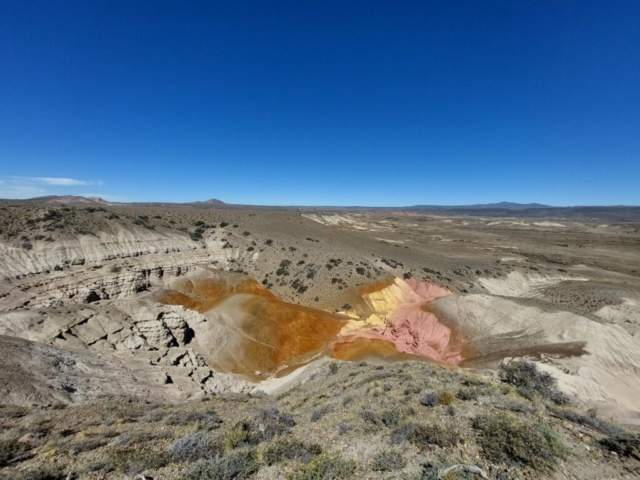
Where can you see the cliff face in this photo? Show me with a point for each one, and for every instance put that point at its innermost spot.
(122, 242)
(93, 293)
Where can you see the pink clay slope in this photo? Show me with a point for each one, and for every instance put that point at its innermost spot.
(413, 329)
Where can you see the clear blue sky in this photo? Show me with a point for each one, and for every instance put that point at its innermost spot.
(328, 102)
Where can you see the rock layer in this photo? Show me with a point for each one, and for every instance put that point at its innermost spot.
(398, 313)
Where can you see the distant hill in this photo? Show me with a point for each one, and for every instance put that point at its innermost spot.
(609, 213)
(66, 200)
(211, 202)
(484, 206)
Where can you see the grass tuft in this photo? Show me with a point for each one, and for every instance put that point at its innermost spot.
(388, 461)
(325, 467)
(283, 449)
(237, 465)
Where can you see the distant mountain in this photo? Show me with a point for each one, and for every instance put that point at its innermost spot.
(211, 202)
(484, 206)
(610, 213)
(67, 200)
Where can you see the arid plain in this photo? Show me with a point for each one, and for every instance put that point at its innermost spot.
(215, 341)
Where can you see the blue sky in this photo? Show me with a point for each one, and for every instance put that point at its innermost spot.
(343, 103)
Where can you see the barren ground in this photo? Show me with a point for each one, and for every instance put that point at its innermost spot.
(102, 378)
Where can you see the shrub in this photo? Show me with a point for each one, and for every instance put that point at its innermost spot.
(237, 436)
(343, 427)
(425, 435)
(318, 413)
(588, 420)
(370, 418)
(529, 381)
(469, 393)
(43, 473)
(432, 399)
(387, 461)
(263, 427)
(87, 445)
(10, 449)
(13, 411)
(390, 418)
(325, 467)
(208, 420)
(194, 446)
(237, 465)
(196, 235)
(137, 459)
(289, 449)
(504, 438)
(516, 406)
(446, 397)
(623, 444)
(428, 399)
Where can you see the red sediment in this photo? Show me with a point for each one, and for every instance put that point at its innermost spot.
(413, 329)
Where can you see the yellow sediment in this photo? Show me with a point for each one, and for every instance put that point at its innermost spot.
(377, 305)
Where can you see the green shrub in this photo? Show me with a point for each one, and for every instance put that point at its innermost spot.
(504, 438)
(529, 381)
(283, 449)
(196, 235)
(237, 465)
(237, 436)
(325, 467)
(387, 461)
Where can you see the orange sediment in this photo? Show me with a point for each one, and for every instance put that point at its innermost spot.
(202, 294)
(253, 333)
(358, 348)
